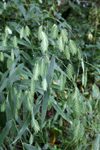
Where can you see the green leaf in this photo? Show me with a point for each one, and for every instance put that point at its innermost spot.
(5, 131)
(4, 84)
(4, 76)
(73, 47)
(5, 48)
(22, 130)
(25, 43)
(26, 56)
(29, 147)
(2, 119)
(15, 74)
(21, 8)
(96, 145)
(46, 93)
(50, 70)
(9, 63)
(59, 110)
(95, 90)
(45, 104)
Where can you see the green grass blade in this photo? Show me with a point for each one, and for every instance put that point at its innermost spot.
(29, 147)
(22, 130)
(46, 94)
(59, 110)
(45, 104)
(26, 56)
(5, 48)
(4, 84)
(96, 145)
(25, 43)
(50, 70)
(5, 131)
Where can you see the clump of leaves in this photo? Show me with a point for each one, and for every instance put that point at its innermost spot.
(39, 90)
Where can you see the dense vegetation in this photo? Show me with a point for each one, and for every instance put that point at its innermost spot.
(49, 75)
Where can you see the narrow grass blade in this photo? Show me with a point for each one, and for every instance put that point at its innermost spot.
(50, 70)
(5, 131)
(45, 104)
(59, 110)
(96, 145)
(29, 147)
(22, 130)
(46, 93)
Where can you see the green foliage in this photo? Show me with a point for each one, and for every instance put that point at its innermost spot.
(49, 76)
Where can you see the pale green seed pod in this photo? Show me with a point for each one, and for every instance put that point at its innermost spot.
(76, 107)
(31, 139)
(44, 84)
(27, 31)
(2, 56)
(28, 103)
(32, 86)
(21, 32)
(4, 43)
(26, 93)
(42, 67)
(40, 33)
(64, 35)
(19, 94)
(15, 91)
(67, 53)
(82, 130)
(4, 5)
(12, 54)
(16, 114)
(77, 130)
(3, 107)
(18, 103)
(72, 47)
(54, 31)
(8, 30)
(7, 99)
(60, 44)
(44, 43)
(30, 97)
(15, 41)
(35, 124)
(36, 72)
(69, 70)
(61, 82)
